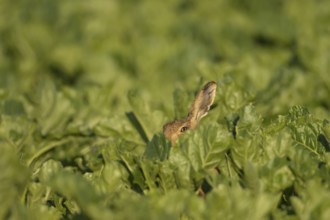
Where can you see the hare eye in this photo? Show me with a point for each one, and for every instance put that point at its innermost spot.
(183, 129)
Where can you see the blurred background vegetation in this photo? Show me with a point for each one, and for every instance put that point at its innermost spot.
(275, 49)
(71, 70)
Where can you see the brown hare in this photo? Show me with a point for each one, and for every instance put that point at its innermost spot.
(199, 108)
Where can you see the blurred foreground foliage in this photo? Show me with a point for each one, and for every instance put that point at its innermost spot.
(85, 87)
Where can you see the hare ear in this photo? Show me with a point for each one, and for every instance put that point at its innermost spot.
(202, 103)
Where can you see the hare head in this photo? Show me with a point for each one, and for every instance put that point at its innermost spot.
(199, 108)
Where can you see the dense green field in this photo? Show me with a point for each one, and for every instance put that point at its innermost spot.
(86, 86)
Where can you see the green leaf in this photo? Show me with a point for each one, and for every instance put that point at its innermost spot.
(232, 202)
(305, 131)
(313, 202)
(143, 118)
(52, 108)
(13, 107)
(158, 148)
(251, 177)
(48, 169)
(72, 185)
(248, 144)
(14, 178)
(277, 176)
(206, 147)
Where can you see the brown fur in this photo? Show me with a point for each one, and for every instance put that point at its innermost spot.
(199, 108)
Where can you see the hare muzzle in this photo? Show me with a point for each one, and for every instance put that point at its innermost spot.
(199, 108)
